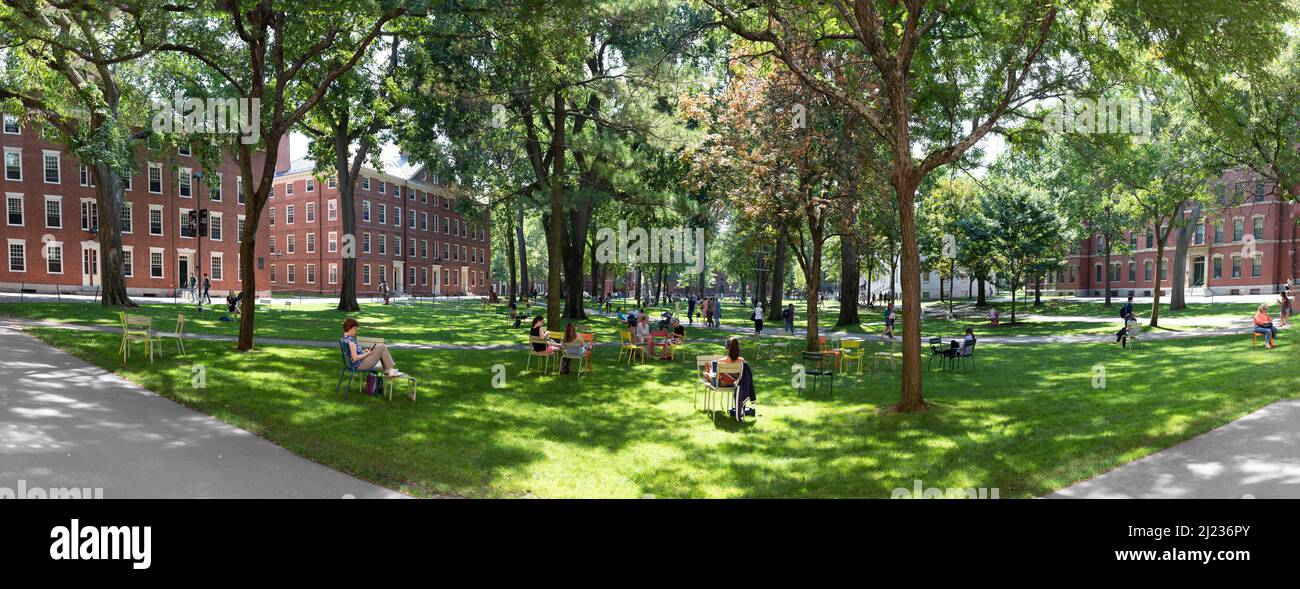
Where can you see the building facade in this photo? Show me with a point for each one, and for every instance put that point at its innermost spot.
(409, 234)
(1244, 245)
(52, 216)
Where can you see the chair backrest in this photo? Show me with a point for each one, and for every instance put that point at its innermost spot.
(343, 354)
(812, 356)
(968, 350)
(734, 368)
(180, 323)
(851, 344)
(137, 323)
(934, 341)
(625, 336)
(587, 336)
(537, 339)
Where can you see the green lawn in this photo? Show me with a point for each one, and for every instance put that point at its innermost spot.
(1028, 421)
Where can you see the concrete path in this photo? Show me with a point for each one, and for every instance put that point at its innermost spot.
(1257, 456)
(67, 424)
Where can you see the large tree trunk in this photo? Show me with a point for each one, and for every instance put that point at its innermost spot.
(778, 282)
(510, 260)
(554, 255)
(109, 198)
(575, 241)
(911, 397)
(812, 276)
(347, 183)
(1183, 241)
(1107, 271)
(526, 284)
(981, 301)
(850, 274)
(1155, 300)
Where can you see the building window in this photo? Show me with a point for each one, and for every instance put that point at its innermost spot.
(383, 186)
(215, 267)
(156, 262)
(290, 245)
(411, 220)
(13, 165)
(126, 217)
(365, 184)
(332, 242)
(288, 214)
(383, 244)
(288, 188)
(17, 256)
(397, 216)
(128, 268)
(11, 125)
(365, 243)
(214, 227)
(333, 182)
(1236, 266)
(331, 210)
(183, 149)
(53, 213)
(311, 273)
(1200, 234)
(155, 178)
(1238, 228)
(271, 218)
(383, 215)
(89, 214)
(424, 248)
(1146, 271)
(311, 243)
(155, 221)
(14, 206)
(288, 274)
(53, 173)
(424, 221)
(334, 274)
(411, 248)
(214, 191)
(365, 274)
(365, 211)
(1257, 227)
(239, 189)
(184, 180)
(239, 228)
(83, 175)
(1257, 265)
(397, 191)
(310, 212)
(310, 185)
(273, 274)
(1218, 267)
(1218, 231)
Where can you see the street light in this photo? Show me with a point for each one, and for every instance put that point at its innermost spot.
(199, 228)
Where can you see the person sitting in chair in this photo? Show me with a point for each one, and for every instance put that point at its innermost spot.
(538, 330)
(575, 345)
(232, 302)
(1125, 313)
(1264, 325)
(362, 359)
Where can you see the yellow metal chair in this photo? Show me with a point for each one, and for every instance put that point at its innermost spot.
(627, 346)
(887, 357)
(714, 383)
(179, 334)
(136, 329)
(544, 356)
(851, 351)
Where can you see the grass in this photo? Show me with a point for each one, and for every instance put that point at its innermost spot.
(1028, 421)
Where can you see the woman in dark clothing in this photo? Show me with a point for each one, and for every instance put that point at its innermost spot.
(539, 331)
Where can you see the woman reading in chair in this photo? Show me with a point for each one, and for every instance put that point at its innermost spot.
(574, 345)
(733, 357)
(538, 330)
(365, 359)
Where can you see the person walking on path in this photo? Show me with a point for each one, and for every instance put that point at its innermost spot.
(690, 310)
(758, 318)
(788, 316)
(207, 288)
(192, 287)
(889, 320)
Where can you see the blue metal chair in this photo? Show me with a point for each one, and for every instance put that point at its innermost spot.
(348, 371)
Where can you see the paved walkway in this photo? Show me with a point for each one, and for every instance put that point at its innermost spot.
(67, 424)
(1257, 456)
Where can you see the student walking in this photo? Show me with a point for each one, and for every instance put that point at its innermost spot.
(889, 321)
(788, 316)
(758, 318)
(207, 287)
(1125, 314)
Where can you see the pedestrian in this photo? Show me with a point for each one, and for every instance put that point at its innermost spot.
(690, 310)
(758, 318)
(207, 287)
(889, 321)
(1125, 315)
(788, 316)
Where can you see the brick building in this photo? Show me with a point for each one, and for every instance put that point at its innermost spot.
(409, 233)
(51, 216)
(1246, 244)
